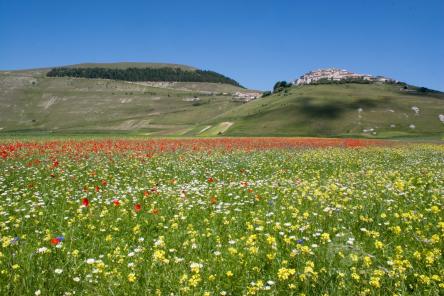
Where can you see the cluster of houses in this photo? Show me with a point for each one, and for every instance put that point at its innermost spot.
(337, 75)
(246, 96)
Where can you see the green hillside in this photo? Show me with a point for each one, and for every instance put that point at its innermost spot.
(364, 110)
(32, 102)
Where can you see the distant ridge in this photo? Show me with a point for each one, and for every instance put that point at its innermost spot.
(124, 65)
(32, 102)
(141, 72)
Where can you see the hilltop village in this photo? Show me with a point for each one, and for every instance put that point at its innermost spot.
(335, 74)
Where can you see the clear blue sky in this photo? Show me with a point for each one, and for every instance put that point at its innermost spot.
(255, 42)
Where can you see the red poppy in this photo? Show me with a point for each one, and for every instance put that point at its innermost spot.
(97, 188)
(116, 202)
(4, 154)
(104, 183)
(85, 202)
(155, 211)
(55, 241)
(210, 180)
(137, 207)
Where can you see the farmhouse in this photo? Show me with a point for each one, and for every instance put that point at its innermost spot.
(246, 97)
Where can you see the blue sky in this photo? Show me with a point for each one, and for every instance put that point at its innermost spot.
(254, 42)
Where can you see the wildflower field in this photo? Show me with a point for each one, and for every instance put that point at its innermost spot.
(251, 216)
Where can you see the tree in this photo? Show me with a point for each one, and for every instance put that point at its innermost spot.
(280, 85)
(144, 74)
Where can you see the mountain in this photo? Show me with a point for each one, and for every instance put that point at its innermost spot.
(32, 102)
(375, 110)
(167, 73)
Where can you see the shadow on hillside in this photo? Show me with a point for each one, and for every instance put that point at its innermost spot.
(363, 103)
(331, 109)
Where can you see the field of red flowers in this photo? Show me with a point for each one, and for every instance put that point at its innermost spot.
(150, 147)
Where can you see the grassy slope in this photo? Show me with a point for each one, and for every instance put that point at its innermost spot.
(29, 101)
(332, 110)
(94, 105)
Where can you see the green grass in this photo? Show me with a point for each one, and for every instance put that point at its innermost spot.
(274, 222)
(31, 102)
(63, 105)
(332, 110)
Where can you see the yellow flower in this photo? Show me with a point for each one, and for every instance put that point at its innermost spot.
(195, 267)
(305, 249)
(232, 250)
(253, 250)
(325, 237)
(229, 273)
(417, 255)
(285, 273)
(375, 282)
(194, 280)
(271, 240)
(132, 277)
(367, 261)
(354, 257)
(308, 269)
(251, 240)
(159, 255)
(399, 185)
(424, 279)
(271, 256)
(379, 245)
(136, 229)
(6, 241)
(435, 238)
(396, 229)
(435, 209)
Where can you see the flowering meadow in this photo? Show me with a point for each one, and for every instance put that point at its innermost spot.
(250, 216)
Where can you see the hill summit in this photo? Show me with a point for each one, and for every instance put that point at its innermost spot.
(335, 74)
(139, 73)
